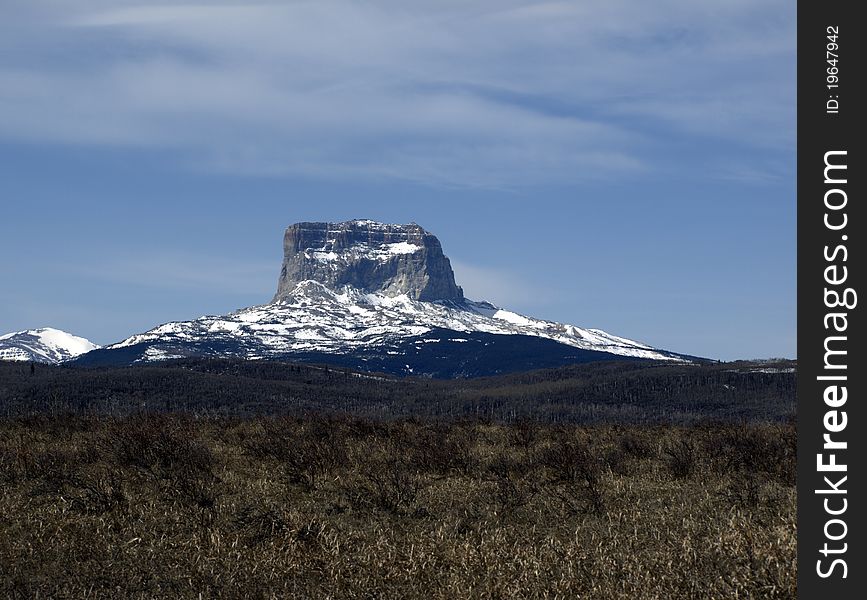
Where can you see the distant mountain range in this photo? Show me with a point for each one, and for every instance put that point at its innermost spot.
(365, 295)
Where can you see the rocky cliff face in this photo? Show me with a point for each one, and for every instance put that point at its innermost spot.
(369, 256)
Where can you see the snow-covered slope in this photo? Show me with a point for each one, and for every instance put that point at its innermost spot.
(45, 345)
(314, 318)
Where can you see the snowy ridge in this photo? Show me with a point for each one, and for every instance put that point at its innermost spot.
(46, 345)
(315, 318)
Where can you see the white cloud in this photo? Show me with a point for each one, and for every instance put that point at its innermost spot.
(450, 93)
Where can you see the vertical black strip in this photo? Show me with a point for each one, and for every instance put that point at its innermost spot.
(831, 269)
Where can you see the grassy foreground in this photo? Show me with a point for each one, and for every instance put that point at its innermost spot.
(172, 506)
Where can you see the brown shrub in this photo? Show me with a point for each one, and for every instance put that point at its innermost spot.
(575, 475)
(305, 452)
(681, 457)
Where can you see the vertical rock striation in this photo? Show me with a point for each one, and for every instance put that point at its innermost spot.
(368, 256)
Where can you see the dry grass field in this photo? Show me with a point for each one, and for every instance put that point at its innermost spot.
(170, 506)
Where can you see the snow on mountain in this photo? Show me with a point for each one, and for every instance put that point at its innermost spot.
(45, 345)
(314, 318)
(376, 296)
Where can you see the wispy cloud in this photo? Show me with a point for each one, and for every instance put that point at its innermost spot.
(448, 93)
(184, 271)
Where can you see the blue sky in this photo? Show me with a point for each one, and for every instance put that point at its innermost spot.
(624, 165)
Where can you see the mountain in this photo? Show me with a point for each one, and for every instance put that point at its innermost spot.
(376, 297)
(44, 345)
(392, 260)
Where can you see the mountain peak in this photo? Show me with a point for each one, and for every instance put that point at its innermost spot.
(45, 344)
(370, 256)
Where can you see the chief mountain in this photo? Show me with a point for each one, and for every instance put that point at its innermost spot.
(376, 297)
